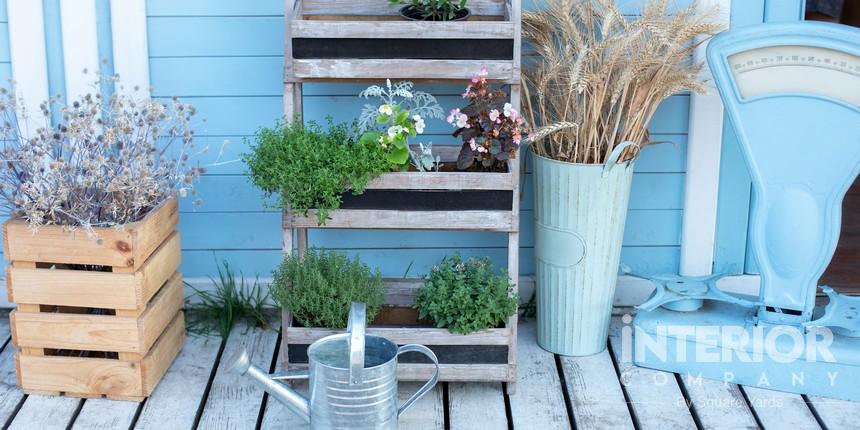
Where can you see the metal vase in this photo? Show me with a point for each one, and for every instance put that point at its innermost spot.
(580, 211)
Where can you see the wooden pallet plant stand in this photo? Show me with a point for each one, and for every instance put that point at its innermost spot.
(99, 314)
(366, 40)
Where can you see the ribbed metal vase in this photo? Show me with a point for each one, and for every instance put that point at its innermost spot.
(580, 211)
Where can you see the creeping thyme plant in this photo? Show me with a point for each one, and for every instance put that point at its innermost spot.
(107, 162)
(309, 167)
(400, 116)
(466, 296)
(490, 127)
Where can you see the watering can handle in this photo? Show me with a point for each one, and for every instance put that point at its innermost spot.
(429, 385)
(355, 326)
(616, 154)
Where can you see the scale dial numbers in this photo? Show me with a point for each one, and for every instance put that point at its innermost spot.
(795, 69)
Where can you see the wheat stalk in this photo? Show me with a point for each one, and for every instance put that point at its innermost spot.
(594, 79)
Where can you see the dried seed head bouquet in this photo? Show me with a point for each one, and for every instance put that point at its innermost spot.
(490, 127)
(105, 163)
(596, 78)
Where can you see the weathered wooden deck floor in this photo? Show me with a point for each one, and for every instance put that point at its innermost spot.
(552, 393)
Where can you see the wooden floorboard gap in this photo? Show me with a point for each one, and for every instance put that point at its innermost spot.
(137, 414)
(568, 404)
(751, 407)
(689, 402)
(75, 414)
(814, 412)
(627, 400)
(202, 405)
(446, 405)
(509, 414)
(273, 366)
(14, 412)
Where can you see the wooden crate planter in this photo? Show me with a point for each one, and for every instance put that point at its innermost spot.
(98, 314)
(366, 40)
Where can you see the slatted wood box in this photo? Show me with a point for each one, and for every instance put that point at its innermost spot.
(98, 313)
(480, 356)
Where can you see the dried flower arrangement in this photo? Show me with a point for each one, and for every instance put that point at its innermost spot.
(401, 115)
(490, 127)
(596, 78)
(107, 163)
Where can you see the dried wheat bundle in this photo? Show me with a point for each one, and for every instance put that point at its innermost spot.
(595, 77)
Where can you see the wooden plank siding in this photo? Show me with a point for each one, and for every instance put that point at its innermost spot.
(227, 61)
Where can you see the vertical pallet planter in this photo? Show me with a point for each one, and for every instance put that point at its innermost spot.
(366, 40)
(99, 314)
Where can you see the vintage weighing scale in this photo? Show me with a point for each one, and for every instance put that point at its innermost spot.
(793, 94)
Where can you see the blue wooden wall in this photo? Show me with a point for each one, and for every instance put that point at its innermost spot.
(225, 57)
(5, 59)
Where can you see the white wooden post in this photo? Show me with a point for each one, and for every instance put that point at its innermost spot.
(27, 46)
(80, 47)
(698, 234)
(130, 49)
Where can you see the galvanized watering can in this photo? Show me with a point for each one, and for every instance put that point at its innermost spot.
(352, 379)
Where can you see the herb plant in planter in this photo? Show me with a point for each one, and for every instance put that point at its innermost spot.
(309, 167)
(466, 296)
(595, 82)
(433, 10)
(93, 203)
(319, 287)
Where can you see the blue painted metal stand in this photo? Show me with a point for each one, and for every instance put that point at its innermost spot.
(793, 94)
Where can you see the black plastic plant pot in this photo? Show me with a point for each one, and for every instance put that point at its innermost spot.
(412, 13)
(425, 200)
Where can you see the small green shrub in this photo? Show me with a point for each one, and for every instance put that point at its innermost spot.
(309, 167)
(319, 288)
(466, 296)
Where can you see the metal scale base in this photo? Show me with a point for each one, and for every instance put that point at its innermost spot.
(720, 340)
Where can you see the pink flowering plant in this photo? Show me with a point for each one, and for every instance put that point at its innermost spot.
(490, 127)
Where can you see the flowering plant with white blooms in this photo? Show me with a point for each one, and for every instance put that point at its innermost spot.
(490, 127)
(400, 116)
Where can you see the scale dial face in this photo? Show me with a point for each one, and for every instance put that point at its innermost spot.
(796, 69)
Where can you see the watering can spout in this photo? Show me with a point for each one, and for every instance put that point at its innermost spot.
(284, 394)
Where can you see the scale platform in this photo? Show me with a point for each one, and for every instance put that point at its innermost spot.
(792, 92)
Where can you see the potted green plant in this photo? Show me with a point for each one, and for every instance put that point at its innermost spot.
(433, 10)
(591, 89)
(311, 167)
(318, 287)
(466, 296)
